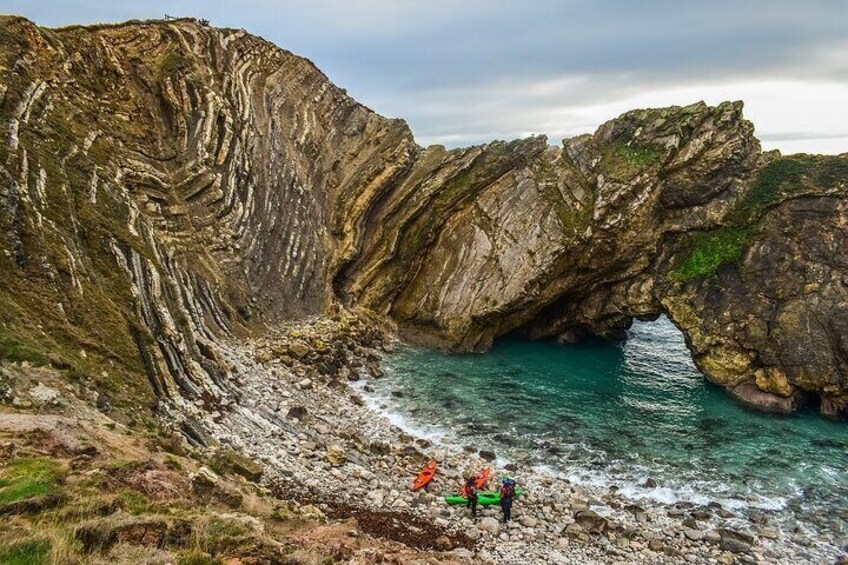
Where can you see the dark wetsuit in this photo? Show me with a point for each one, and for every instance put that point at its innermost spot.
(506, 503)
(471, 497)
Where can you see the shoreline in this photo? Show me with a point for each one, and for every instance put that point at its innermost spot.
(302, 414)
(632, 488)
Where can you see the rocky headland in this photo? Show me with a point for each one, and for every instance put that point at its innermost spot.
(199, 228)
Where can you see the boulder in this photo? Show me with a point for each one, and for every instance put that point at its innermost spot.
(379, 447)
(576, 531)
(591, 522)
(639, 513)
(489, 525)
(263, 356)
(297, 412)
(693, 534)
(204, 478)
(702, 514)
(44, 395)
(229, 461)
(487, 455)
(443, 543)
(528, 521)
(656, 545)
(768, 532)
(750, 395)
(311, 512)
(299, 349)
(336, 455)
(712, 537)
(735, 541)
(726, 558)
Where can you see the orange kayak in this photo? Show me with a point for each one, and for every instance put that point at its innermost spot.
(480, 481)
(425, 476)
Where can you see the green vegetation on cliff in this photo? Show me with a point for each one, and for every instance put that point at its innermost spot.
(779, 180)
(711, 251)
(629, 159)
(789, 176)
(12, 349)
(172, 62)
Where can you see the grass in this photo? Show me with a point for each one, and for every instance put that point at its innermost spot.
(27, 478)
(790, 175)
(97, 319)
(196, 558)
(780, 179)
(13, 350)
(626, 160)
(172, 63)
(638, 155)
(711, 251)
(27, 552)
(122, 525)
(134, 502)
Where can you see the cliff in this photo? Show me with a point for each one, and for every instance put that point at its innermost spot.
(166, 185)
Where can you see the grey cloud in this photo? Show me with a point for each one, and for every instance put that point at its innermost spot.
(467, 71)
(803, 135)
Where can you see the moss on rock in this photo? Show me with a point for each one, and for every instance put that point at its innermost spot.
(712, 250)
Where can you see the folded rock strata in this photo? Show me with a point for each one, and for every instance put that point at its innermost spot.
(166, 184)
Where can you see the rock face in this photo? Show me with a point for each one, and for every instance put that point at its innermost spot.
(166, 184)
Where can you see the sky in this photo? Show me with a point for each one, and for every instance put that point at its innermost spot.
(468, 71)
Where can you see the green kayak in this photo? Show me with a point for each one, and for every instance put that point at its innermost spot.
(485, 498)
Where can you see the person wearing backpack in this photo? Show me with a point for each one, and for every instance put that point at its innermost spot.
(471, 494)
(507, 493)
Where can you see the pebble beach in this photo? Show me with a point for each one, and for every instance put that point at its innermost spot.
(301, 408)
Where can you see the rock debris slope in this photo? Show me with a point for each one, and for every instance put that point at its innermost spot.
(167, 184)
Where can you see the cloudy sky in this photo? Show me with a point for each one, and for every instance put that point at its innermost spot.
(468, 71)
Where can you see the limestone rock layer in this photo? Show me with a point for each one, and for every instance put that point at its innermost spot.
(167, 184)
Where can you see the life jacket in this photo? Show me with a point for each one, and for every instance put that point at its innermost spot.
(471, 490)
(508, 489)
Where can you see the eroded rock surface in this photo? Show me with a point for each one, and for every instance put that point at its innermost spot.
(166, 184)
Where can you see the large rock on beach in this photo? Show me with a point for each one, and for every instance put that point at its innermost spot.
(489, 525)
(591, 522)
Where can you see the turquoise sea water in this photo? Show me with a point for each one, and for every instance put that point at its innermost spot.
(617, 414)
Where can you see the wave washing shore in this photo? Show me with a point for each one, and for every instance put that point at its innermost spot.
(637, 416)
(308, 409)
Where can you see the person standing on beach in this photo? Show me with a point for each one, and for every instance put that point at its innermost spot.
(471, 493)
(507, 493)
